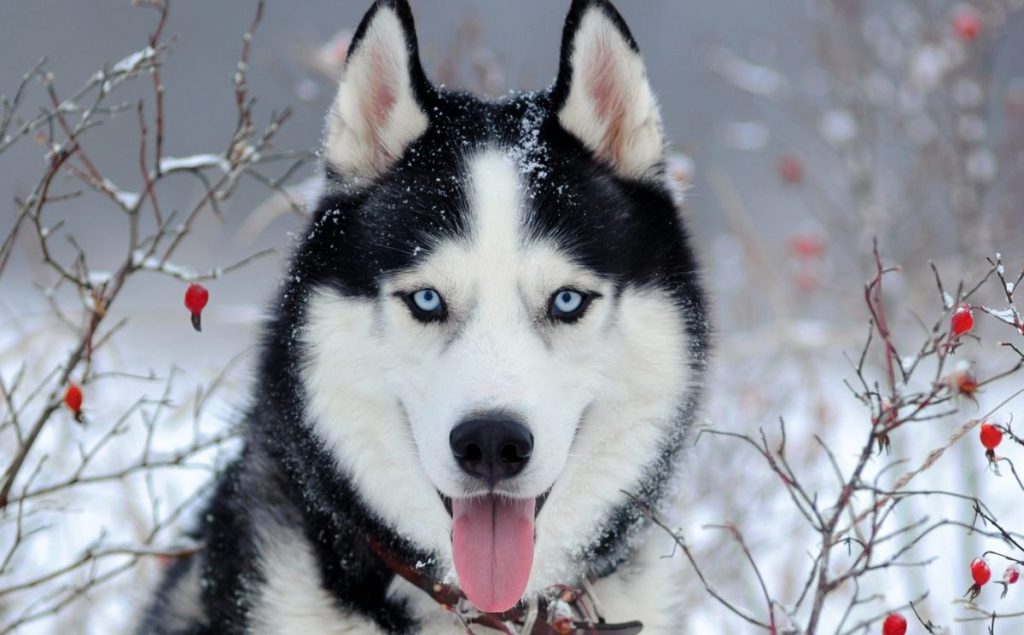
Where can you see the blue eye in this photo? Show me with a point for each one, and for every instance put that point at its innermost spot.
(426, 305)
(427, 300)
(568, 305)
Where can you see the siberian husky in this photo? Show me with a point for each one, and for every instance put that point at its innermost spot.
(480, 370)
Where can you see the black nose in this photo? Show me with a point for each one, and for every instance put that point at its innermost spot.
(491, 446)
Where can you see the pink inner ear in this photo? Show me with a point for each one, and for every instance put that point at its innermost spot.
(380, 98)
(601, 77)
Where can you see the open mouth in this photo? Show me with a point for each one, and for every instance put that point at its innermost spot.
(492, 545)
(540, 502)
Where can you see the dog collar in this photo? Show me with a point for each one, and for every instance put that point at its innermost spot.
(560, 610)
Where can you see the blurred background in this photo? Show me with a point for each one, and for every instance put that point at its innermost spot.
(803, 130)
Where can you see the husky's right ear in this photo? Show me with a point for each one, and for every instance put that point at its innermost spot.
(602, 95)
(383, 99)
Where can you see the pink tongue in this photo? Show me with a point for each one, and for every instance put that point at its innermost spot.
(493, 548)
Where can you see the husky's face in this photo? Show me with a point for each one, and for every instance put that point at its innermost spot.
(498, 332)
(500, 340)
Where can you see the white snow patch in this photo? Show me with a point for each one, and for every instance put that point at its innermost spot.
(928, 65)
(747, 76)
(530, 154)
(151, 263)
(838, 127)
(97, 278)
(194, 162)
(127, 200)
(134, 60)
(908, 362)
(1006, 315)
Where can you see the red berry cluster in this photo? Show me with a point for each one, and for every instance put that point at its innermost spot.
(196, 297)
(981, 573)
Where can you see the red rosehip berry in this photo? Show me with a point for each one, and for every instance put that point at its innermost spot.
(73, 397)
(791, 169)
(806, 246)
(563, 625)
(1012, 574)
(980, 571)
(967, 23)
(196, 297)
(73, 400)
(894, 624)
(981, 574)
(991, 436)
(963, 382)
(963, 320)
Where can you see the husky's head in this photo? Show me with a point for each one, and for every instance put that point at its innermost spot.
(501, 326)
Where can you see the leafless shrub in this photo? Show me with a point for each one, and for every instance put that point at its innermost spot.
(899, 146)
(52, 464)
(859, 533)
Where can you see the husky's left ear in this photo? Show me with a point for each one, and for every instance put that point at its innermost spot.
(383, 99)
(602, 95)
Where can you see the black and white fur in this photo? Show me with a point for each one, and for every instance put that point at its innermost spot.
(496, 205)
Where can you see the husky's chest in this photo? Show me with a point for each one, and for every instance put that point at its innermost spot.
(290, 601)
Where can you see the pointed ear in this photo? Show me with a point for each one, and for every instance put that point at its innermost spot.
(382, 103)
(602, 95)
